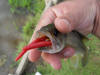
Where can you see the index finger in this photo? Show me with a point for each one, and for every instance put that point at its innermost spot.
(48, 17)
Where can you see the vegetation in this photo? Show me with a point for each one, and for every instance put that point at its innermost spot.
(32, 6)
(36, 7)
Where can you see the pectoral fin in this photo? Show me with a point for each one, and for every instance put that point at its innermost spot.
(76, 60)
(85, 58)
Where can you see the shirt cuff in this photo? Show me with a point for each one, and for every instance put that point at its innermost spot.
(96, 29)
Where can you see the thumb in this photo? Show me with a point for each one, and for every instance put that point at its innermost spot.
(63, 25)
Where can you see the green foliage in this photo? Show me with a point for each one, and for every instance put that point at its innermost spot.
(30, 25)
(26, 5)
(94, 45)
(90, 69)
(20, 3)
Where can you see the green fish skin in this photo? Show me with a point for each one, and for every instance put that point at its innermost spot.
(59, 41)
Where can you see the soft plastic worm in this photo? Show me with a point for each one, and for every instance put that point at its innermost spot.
(39, 42)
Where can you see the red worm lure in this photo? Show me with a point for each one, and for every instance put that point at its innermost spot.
(39, 42)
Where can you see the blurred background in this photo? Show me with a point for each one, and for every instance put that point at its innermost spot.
(9, 37)
(17, 22)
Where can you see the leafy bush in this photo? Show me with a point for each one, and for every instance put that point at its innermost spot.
(26, 5)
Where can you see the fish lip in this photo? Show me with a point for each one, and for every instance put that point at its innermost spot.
(55, 43)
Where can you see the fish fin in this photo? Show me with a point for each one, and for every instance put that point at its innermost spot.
(75, 60)
(83, 37)
(85, 58)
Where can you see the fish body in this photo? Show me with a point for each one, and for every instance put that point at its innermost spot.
(59, 41)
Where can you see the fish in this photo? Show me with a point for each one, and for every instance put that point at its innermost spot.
(60, 40)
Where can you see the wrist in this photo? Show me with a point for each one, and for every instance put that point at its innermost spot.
(96, 28)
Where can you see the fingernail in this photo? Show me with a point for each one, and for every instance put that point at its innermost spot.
(34, 55)
(56, 66)
(69, 52)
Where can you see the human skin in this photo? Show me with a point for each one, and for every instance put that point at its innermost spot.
(71, 15)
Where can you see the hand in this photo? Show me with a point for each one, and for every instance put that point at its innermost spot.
(67, 16)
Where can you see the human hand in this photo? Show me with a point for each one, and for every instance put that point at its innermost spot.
(76, 15)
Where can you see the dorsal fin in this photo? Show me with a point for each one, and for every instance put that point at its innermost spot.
(83, 37)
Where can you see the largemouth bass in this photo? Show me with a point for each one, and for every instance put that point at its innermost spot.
(59, 41)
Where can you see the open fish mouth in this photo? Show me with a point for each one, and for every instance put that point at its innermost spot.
(58, 42)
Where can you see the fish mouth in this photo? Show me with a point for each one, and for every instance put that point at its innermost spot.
(58, 42)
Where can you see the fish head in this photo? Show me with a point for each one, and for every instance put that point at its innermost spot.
(56, 38)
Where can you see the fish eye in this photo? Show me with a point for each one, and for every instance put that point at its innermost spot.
(55, 32)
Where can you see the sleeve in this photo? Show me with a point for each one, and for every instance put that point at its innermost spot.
(96, 29)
